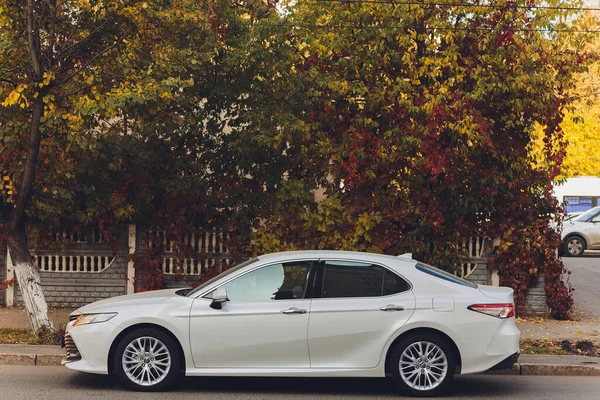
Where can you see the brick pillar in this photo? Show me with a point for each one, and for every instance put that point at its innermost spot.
(131, 240)
(10, 275)
(535, 299)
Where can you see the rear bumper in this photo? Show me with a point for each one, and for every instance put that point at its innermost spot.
(482, 354)
(507, 363)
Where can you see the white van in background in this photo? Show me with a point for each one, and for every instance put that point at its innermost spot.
(579, 194)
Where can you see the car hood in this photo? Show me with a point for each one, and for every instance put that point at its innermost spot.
(136, 299)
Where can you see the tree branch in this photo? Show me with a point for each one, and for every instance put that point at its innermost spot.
(33, 41)
(90, 62)
(62, 54)
(49, 50)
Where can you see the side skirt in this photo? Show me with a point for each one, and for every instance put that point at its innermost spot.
(288, 372)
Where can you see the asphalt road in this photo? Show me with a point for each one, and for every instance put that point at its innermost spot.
(59, 383)
(585, 278)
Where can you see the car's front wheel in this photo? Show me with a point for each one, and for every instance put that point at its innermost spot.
(574, 246)
(146, 360)
(422, 365)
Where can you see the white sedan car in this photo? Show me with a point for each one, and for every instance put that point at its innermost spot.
(581, 233)
(306, 313)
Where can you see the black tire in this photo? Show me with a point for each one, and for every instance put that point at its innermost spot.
(148, 336)
(428, 367)
(574, 246)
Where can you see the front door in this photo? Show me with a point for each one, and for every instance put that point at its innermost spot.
(356, 308)
(263, 325)
(594, 231)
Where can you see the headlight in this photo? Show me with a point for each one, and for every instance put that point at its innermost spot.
(85, 319)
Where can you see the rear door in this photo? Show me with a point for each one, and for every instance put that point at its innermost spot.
(355, 309)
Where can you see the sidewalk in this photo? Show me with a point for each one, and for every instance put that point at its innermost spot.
(16, 317)
(559, 330)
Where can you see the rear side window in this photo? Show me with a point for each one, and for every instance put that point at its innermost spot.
(352, 279)
(438, 273)
(393, 284)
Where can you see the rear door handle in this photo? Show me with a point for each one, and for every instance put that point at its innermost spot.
(391, 307)
(293, 310)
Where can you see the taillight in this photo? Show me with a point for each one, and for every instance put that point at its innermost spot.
(502, 311)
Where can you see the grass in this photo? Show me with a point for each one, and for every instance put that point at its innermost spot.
(560, 347)
(27, 336)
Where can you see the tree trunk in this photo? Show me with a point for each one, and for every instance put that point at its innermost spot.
(26, 273)
(28, 278)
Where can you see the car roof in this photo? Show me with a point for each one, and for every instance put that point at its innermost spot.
(353, 255)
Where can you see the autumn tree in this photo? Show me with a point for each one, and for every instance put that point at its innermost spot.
(136, 98)
(75, 77)
(582, 122)
(420, 118)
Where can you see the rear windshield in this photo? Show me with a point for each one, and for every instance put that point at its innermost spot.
(438, 273)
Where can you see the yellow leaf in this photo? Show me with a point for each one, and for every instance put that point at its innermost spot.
(12, 99)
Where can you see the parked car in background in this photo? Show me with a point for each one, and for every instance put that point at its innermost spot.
(581, 233)
(301, 314)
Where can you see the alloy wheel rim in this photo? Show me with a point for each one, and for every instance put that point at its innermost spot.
(575, 246)
(146, 361)
(423, 365)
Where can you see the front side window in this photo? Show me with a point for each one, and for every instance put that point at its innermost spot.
(284, 281)
(353, 279)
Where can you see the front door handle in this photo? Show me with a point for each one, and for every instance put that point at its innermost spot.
(293, 310)
(391, 307)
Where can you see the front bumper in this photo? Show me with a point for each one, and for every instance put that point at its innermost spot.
(88, 346)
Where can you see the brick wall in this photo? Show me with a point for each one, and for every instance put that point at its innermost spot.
(74, 289)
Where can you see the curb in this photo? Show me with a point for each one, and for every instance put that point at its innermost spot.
(31, 359)
(517, 369)
(549, 370)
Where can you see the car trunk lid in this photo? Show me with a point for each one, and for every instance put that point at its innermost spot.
(502, 294)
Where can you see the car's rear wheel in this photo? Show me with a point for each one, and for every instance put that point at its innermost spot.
(422, 365)
(574, 246)
(146, 360)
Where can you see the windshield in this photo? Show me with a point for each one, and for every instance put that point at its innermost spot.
(222, 275)
(587, 215)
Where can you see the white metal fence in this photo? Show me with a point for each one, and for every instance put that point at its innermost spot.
(206, 248)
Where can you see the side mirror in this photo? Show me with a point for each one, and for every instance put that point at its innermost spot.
(219, 297)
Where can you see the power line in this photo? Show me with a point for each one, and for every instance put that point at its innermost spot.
(394, 27)
(425, 4)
